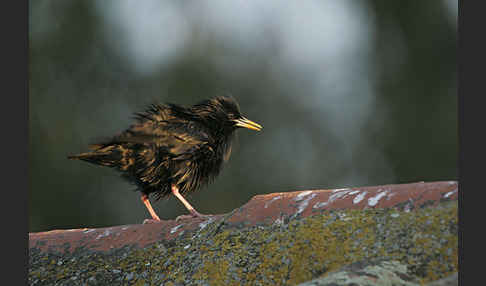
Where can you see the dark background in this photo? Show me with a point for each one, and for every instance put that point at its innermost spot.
(350, 93)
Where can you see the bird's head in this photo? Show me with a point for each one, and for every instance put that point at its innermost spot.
(224, 112)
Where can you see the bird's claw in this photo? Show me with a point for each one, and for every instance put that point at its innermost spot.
(150, 220)
(194, 214)
(183, 217)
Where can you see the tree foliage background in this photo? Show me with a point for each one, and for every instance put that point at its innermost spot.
(350, 93)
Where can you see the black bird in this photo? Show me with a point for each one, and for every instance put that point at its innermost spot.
(173, 149)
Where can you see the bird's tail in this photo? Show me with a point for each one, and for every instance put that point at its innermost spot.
(97, 158)
(110, 156)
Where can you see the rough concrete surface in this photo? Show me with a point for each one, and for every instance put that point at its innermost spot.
(376, 273)
(406, 231)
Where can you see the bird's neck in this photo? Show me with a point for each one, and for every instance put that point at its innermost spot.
(223, 145)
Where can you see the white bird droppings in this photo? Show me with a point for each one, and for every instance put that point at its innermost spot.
(335, 196)
(319, 205)
(175, 228)
(304, 204)
(272, 200)
(301, 196)
(106, 233)
(359, 197)
(374, 200)
(341, 194)
(203, 224)
(338, 190)
(450, 193)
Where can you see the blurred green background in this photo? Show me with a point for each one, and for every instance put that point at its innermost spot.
(350, 93)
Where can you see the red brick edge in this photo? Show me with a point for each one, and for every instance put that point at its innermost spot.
(261, 209)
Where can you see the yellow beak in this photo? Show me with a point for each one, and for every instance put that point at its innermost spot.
(246, 123)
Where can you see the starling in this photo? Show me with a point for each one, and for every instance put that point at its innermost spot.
(173, 149)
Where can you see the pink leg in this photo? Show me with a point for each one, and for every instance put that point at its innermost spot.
(146, 202)
(194, 213)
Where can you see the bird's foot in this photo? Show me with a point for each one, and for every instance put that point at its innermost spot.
(183, 217)
(194, 214)
(150, 220)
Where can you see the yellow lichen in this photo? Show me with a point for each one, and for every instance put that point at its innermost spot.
(294, 253)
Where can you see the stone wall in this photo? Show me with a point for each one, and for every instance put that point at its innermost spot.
(376, 235)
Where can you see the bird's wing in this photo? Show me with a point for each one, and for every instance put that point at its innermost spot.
(168, 128)
(176, 137)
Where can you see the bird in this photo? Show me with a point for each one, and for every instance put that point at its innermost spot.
(172, 149)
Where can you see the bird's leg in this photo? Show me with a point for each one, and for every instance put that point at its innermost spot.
(194, 213)
(146, 202)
